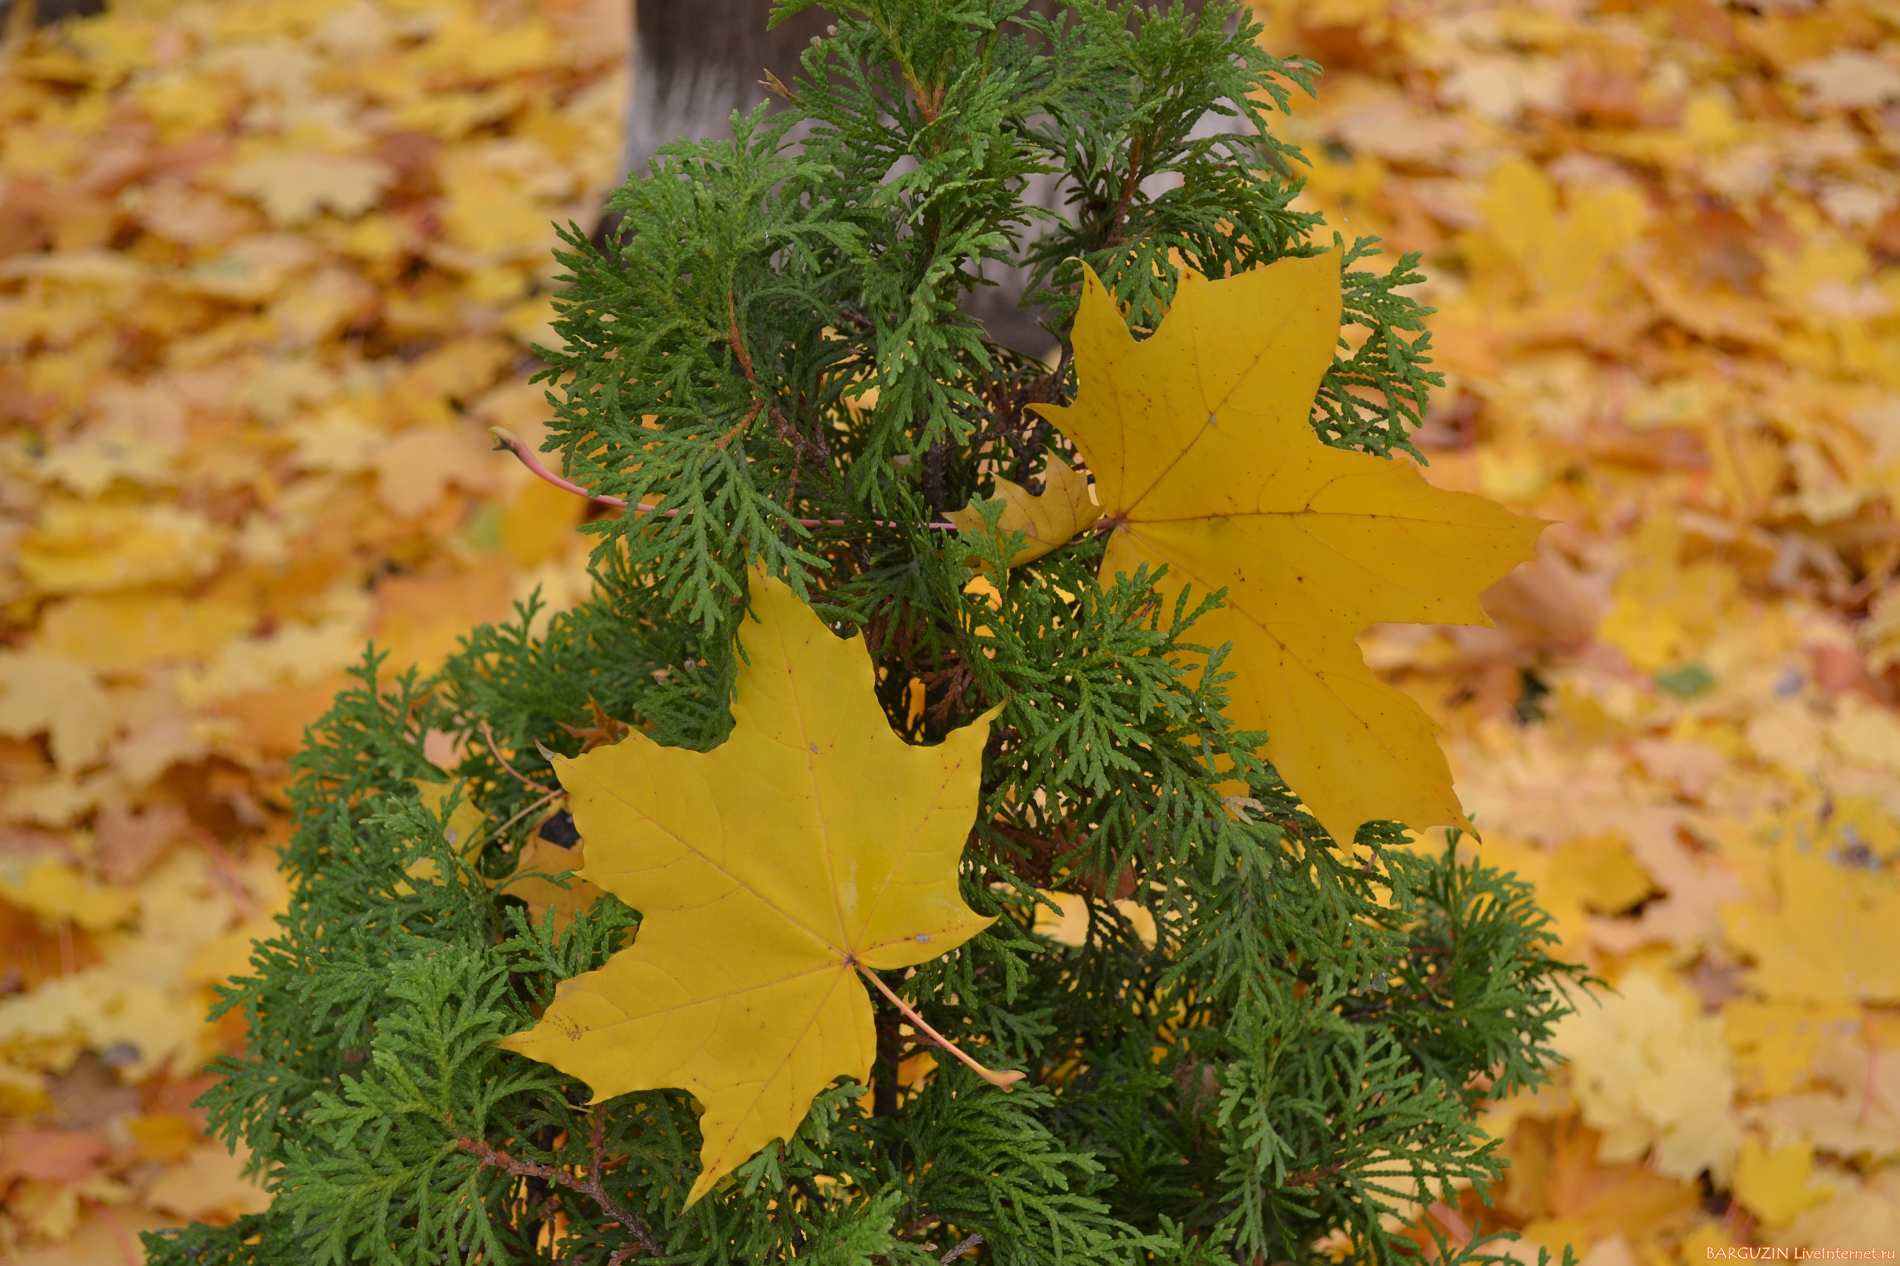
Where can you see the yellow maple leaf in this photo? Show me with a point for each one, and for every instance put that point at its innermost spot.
(123, 631)
(1774, 1042)
(1050, 519)
(79, 547)
(58, 697)
(292, 187)
(462, 832)
(533, 880)
(812, 843)
(1776, 1185)
(1833, 935)
(1204, 460)
(55, 891)
(1652, 1075)
(1561, 256)
(211, 1181)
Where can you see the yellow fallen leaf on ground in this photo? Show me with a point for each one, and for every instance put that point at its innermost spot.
(121, 631)
(211, 1182)
(292, 186)
(1863, 1214)
(1650, 1074)
(766, 878)
(1558, 257)
(423, 618)
(1050, 518)
(1774, 1042)
(162, 1137)
(1600, 873)
(95, 548)
(414, 470)
(100, 1008)
(1775, 1184)
(46, 694)
(1205, 461)
(1833, 935)
(56, 891)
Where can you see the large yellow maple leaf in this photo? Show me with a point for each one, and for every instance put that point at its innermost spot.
(812, 842)
(1205, 460)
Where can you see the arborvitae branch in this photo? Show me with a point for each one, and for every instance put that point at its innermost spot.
(1264, 1038)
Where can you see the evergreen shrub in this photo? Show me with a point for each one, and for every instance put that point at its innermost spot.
(778, 332)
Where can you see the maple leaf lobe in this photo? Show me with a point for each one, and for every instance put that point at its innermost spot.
(1312, 543)
(813, 841)
(1050, 519)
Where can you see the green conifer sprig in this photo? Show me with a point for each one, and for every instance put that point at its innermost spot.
(775, 353)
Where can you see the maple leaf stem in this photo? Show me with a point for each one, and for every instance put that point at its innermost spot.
(1006, 1079)
(520, 777)
(506, 441)
(511, 821)
(128, 1247)
(589, 1186)
(228, 876)
(1454, 1225)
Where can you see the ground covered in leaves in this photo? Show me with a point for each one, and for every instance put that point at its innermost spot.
(268, 268)
(267, 272)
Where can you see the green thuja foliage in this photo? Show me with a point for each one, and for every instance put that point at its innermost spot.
(1270, 1045)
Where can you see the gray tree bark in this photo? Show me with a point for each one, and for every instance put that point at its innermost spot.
(696, 61)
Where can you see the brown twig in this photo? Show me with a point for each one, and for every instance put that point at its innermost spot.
(506, 441)
(739, 428)
(1004, 1080)
(589, 1186)
(511, 821)
(1307, 1177)
(968, 1244)
(520, 777)
(1128, 192)
(733, 340)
